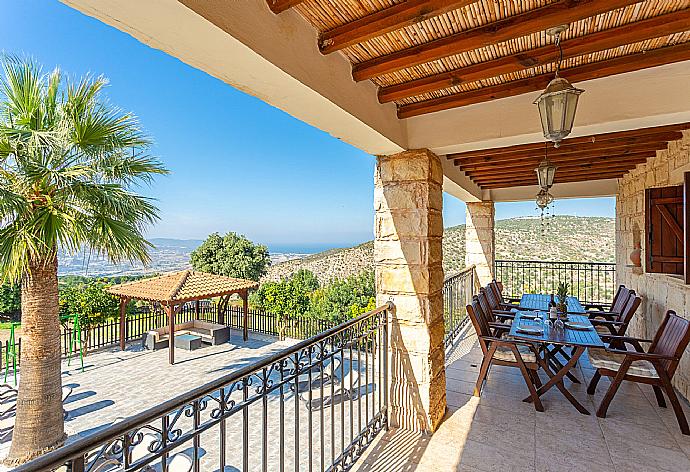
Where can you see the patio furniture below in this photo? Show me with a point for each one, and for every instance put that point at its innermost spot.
(655, 367)
(189, 342)
(210, 333)
(506, 352)
(172, 291)
(579, 339)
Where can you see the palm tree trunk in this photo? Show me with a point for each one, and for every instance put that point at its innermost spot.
(39, 425)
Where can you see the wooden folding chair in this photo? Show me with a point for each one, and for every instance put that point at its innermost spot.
(506, 352)
(655, 367)
(503, 304)
(617, 304)
(488, 306)
(616, 324)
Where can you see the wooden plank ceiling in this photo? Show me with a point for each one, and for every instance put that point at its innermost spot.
(432, 55)
(600, 156)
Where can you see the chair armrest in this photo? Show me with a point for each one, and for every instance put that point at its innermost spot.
(595, 322)
(625, 338)
(504, 313)
(620, 341)
(607, 315)
(500, 326)
(513, 299)
(505, 342)
(642, 355)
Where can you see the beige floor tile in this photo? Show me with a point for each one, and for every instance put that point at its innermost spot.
(492, 459)
(555, 461)
(645, 457)
(654, 433)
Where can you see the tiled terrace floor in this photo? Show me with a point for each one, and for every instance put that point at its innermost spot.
(116, 385)
(498, 432)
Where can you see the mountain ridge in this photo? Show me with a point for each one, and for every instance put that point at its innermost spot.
(561, 238)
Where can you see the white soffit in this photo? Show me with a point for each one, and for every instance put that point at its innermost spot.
(272, 57)
(650, 97)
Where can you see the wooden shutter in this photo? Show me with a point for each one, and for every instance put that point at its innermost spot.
(664, 215)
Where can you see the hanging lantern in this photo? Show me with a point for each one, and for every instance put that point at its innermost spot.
(546, 172)
(558, 103)
(544, 199)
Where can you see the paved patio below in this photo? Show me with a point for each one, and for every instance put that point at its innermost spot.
(498, 432)
(118, 384)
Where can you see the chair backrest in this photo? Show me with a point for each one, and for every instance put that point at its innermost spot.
(497, 288)
(671, 339)
(485, 305)
(620, 299)
(628, 311)
(490, 296)
(481, 325)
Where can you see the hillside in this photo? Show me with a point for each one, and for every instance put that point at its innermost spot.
(563, 238)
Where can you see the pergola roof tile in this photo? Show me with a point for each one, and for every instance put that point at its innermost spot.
(182, 286)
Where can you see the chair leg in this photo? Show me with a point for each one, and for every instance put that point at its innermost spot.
(593, 383)
(535, 378)
(677, 407)
(611, 392)
(528, 380)
(659, 396)
(483, 371)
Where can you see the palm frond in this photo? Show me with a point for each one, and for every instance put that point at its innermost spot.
(68, 162)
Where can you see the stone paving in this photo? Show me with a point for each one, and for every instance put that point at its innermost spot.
(498, 432)
(118, 384)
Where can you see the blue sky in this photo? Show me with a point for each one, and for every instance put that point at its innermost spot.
(237, 163)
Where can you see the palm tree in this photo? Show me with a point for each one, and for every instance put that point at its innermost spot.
(69, 163)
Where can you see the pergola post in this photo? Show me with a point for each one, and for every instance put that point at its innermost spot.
(245, 308)
(222, 306)
(123, 322)
(170, 311)
(196, 309)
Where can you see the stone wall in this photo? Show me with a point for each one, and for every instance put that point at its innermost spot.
(660, 292)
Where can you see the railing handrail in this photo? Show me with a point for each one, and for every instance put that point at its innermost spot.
(60, 456)
(556, 262)
(460, 273)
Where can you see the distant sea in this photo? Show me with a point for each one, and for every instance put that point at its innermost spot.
(168, 255)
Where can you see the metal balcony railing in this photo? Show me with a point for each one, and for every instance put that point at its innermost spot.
(458, 290)
(590, 282)
(314, 406)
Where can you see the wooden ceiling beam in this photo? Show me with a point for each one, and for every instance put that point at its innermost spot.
(565, 11)
(279, 6)
(381, 22)
(577, 178)
(562, 167)
(561, 172)
(611, 38)
(584, 154)
(603, 149)
(638, 158)
(656, 133)
(595, 70)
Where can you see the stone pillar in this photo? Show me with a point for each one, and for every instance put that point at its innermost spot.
(480, 239)
(408, 257)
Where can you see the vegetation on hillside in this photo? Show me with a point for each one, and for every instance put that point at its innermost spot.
(562, 238)
(303, 295)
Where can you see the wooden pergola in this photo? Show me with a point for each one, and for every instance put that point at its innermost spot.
(173, 290)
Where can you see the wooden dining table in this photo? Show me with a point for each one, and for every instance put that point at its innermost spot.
(553, 340)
